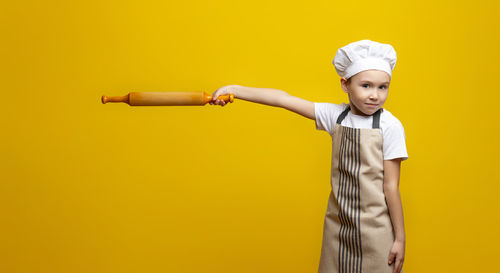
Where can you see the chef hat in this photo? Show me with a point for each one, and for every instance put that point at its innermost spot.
(364, 55)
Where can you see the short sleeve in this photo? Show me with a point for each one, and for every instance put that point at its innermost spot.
(395, 141)
(326, 115)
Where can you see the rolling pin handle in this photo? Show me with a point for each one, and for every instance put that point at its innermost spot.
(227, 98)
(106, 99)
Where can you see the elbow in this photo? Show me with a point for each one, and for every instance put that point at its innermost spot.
(281, 99)
(391, 187)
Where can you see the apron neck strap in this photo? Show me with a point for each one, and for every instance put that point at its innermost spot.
(376, 117)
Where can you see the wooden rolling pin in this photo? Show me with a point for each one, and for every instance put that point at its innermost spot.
(166, 98)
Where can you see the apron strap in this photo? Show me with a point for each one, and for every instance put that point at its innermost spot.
(376, 117)
(343, 114)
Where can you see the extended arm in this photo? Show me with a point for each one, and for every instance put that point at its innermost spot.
(271, 97)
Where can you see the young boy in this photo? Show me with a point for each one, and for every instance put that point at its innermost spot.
(368, 145)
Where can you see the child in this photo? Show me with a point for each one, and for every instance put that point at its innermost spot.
(368, 145)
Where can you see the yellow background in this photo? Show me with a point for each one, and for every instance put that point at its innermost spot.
(87, 187)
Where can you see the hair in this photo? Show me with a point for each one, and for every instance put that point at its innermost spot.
(348, 81)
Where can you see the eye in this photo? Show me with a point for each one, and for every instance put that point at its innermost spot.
(383, 87)
(365, 85)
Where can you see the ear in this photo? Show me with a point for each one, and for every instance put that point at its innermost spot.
(343, 83)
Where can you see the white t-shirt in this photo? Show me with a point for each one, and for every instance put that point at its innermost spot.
(392, 130)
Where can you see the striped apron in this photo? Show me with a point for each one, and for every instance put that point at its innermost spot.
(357, 232)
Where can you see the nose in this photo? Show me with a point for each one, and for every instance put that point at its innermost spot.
(374, 95)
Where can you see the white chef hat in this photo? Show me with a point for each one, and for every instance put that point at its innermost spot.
(364, 55)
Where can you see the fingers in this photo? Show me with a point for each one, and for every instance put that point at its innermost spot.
(392, 255)
(218, 102)
(399, 265)
(396, 257)
(216, 94)
(214, 97)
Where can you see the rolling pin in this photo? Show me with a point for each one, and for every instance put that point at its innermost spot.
(166, 98)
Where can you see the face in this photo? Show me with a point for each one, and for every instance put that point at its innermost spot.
(367, 91)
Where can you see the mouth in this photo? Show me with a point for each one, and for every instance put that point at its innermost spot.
(370, 104)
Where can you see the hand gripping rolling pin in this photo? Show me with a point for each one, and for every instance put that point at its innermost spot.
(166, 98)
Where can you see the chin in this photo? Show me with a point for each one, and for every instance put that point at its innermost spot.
(370, 111)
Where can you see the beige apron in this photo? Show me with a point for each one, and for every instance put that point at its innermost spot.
(358, 234)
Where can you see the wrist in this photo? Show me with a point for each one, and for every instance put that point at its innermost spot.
(236, 90)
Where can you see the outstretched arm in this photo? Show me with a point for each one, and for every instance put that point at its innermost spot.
(267, 96)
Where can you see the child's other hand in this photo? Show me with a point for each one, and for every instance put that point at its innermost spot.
(225, 90)
(398, 254)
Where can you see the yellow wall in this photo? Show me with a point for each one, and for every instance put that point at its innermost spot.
(87, 187)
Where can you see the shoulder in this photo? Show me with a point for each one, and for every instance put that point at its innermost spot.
(326, 115)
(391, 126)
(329, 108)
(394, 136)
(388, 120)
